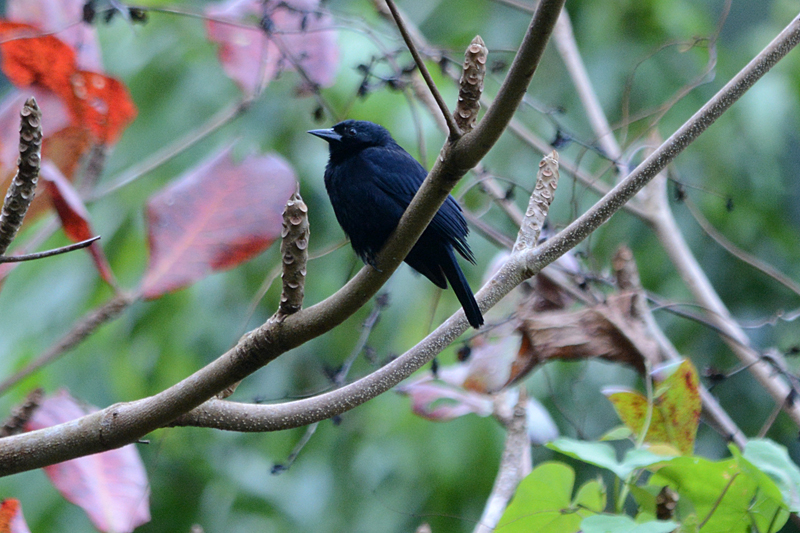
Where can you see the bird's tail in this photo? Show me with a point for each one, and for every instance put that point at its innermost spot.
(460, 286)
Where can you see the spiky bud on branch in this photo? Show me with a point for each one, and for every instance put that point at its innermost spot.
(471, 85)
(539, 204)
(294, 253)
(23, 186)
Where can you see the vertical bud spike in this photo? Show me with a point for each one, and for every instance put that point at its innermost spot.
(471, 85)
(539, 204)
(294, 253)
(23, 186)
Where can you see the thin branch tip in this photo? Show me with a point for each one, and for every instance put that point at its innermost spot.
(452, 126)
(49, 253)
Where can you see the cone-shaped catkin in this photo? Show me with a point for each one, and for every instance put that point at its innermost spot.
(539, 203)
(23, 186)
(471, 85)
(625, 270)
(294, 251)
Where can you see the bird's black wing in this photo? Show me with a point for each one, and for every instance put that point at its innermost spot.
(399, 175)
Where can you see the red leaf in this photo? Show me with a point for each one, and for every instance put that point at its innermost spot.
(295, 24)
(440, 402)
(28, 60)
(101, 104)
(216, 216)
(60, 16)
(11, 519)
(112, 486)
(74, 216)
(95, 101)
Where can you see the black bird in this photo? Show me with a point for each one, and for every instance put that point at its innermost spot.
(371, 180)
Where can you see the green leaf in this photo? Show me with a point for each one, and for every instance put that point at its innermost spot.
(603, 455)
(542, 502)
(768, 510)
(591, 496)
(618, 433)
(645, 497)
(595, 453)
(602, 523)
(729, 496)
(773, 460)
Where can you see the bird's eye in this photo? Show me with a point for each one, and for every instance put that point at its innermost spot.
(351, 132)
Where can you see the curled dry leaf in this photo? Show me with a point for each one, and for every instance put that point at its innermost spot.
(216, 216)
(111, 487)
(612, 330)
(491, 363)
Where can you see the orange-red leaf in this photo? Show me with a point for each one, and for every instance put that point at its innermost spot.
(11, 519)
(74, 216)
(216, 216)
(60, 16)
(95, 101)
(28, 60)
(111, 487)
(102, 104)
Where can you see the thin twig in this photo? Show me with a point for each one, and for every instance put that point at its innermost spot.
(454, 131)
(79, 331)
(287, 464)
(564, 38)
(738, 253)
(366, 329)
(48, 253)
(222, 118)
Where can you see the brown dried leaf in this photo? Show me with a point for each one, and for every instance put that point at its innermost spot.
(612, 331)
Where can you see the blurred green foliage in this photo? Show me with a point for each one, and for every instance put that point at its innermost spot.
(381, 468)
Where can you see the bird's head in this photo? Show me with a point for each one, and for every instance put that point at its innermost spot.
(352, 136)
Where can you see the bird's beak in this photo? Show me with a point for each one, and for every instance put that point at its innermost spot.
(329, 135)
